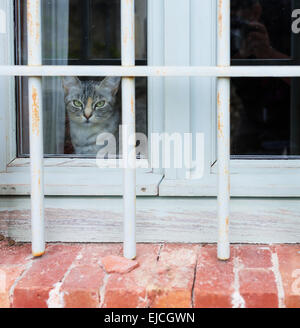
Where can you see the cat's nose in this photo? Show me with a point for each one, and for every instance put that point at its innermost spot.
(87, 113)
(87, 116)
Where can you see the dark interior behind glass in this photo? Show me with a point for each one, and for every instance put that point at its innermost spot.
(265, 112)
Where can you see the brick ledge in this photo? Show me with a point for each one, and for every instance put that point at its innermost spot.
(163, 275)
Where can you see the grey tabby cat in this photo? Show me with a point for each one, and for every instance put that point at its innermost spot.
(92, 110)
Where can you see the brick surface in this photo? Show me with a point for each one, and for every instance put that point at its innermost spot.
(258, 288)
(214, 280)
(168, 275)
(131, 290)
(254, 256)
(32, 291)
(13, 262)
(173, 278)
(289, 266)
(81, 288)
(118, 264)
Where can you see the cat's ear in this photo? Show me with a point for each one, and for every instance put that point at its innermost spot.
(70, 82)
(112, 83)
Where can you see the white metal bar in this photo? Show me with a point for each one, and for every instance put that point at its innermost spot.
(140, 71)
(223, 106)
(128, 129)
(36, 128)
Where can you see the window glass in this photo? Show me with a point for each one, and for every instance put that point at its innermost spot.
(76, 110)
(265, 112)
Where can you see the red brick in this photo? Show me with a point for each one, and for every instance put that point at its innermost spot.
(214, 280)
(14, 255)
(130, 290)
(118, 264)
(173, 280)
(12, 264)
(8, 275)
(254, 256)
(81, 288)
(289, 266)
(258, 288)
(32, 291)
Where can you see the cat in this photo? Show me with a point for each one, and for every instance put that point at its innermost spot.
(92, 110)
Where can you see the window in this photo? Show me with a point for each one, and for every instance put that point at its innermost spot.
(265, 139)
(77, 32)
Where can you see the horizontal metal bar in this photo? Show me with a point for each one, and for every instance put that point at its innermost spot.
(136, 71)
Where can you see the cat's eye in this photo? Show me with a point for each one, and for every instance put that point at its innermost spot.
(77, 103)
(100, 104)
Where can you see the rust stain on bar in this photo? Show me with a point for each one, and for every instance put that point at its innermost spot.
(220, 18)
(125, 36)
(220, 125)
(227, 224)
(132, 105)
(38, 254)
(37, 24)
(35, 112)
(29, 18)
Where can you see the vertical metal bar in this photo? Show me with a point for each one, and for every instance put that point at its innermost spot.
(36, 128)
(128, 129)
(223, 105)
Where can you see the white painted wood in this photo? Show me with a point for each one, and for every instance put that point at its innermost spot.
(284, 184)
(159, 219)
(67, 180)
(156, 56)
(177, 90)
(261, 166)
(203, 89)
(7, 108)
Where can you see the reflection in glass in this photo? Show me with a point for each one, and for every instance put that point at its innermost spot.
(264, 111)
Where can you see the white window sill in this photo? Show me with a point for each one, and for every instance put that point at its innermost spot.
(72, 177)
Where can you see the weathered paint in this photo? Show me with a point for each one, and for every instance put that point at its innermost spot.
(35, 112)
(223, 107)
(36, 128)
(220, 18)
(128, 129)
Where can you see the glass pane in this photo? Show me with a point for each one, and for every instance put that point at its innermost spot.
(261, 29)
(265, 112)
(79, 32)
(265, 117)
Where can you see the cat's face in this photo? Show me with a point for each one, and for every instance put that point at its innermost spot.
(90, 102)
